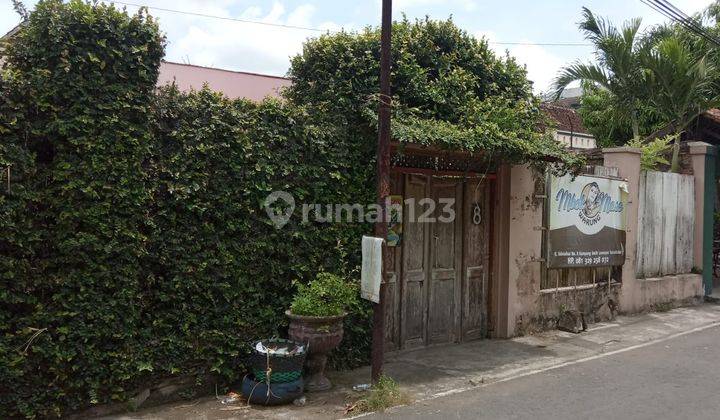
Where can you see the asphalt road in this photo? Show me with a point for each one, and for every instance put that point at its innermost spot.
(674, 379)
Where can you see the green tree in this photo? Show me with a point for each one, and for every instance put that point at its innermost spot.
(603, 118)
(618, 70)
(682, 85)
(673, 77)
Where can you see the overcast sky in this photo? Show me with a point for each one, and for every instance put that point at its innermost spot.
(266, 49)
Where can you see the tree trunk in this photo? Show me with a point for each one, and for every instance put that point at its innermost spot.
(675, 164)
(635, 124)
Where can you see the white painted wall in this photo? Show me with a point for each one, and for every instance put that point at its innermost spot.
(578, 141)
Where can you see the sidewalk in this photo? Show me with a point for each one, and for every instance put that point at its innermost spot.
(429, 373)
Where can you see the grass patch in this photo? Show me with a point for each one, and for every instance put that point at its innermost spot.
(662, 307)
(384, 394)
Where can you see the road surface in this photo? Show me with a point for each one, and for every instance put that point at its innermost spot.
(674, 379)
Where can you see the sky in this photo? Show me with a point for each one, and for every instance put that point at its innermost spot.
(267, 49)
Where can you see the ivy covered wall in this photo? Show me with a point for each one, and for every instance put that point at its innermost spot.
(76, 130)
(135, 245)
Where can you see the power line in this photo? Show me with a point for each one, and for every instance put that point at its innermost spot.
(678, 16)
(305, 28)
(675, 16)
(546, 44)
(668, 10)
(688, 20)
(254, 22)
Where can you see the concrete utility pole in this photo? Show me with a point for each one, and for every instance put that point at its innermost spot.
(383, 187)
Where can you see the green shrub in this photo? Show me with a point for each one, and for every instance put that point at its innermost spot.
(653, 152)
(221, 271)
(76, 129)
(327, 295)
(449, 89)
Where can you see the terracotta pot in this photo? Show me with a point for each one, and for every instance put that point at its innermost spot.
(323, 334)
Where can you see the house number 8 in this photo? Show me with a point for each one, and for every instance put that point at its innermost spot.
(477, 215)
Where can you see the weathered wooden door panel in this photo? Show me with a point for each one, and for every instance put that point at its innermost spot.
(476, 259)
(445, 257)
(441, 308)
(473, 306)
(414, 267)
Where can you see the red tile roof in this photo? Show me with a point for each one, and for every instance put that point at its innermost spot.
(713, 114)
(566, 119)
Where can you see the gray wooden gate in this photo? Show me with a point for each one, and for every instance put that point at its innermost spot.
(666, 224)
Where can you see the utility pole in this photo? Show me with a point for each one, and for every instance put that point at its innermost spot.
(383, 187)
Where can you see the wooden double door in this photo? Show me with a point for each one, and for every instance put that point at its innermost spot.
(440, 272)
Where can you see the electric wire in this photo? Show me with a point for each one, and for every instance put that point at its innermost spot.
(306, 28)
(670, 11)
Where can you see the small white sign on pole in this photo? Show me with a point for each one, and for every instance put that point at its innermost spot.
(371, 273)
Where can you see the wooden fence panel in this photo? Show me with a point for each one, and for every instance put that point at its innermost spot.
(669, 222)
(665, 224)
(640, 259)
(651, 220)
(686, 223)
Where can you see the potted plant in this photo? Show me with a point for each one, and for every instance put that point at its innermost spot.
(316, 317)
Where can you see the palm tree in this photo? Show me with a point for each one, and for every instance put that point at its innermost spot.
(618, 70)
(681, 84)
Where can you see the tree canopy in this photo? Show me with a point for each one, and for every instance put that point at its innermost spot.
(607, 121)
(675, 78)
(449, 90)
(681, 84)
(618, 69)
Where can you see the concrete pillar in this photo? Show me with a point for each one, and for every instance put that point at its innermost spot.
(627, 160)
(525, 256)
(702, 157)
(519, 244)
(500, 295)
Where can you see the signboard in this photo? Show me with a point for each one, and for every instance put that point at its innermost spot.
(586, 222)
